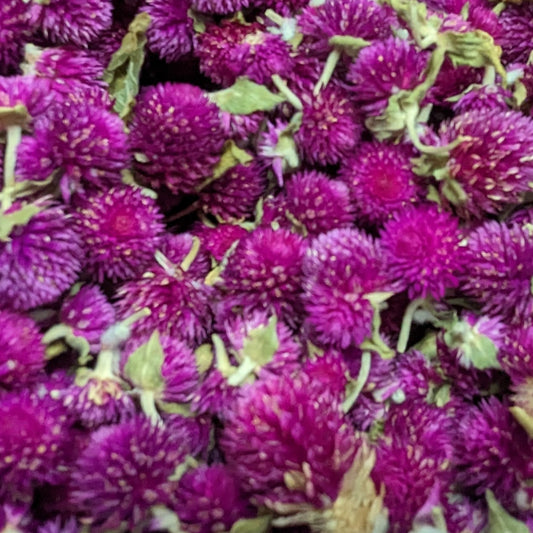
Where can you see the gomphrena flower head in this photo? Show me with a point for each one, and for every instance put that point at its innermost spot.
(88, 313)
(516, 354)
(125, 470)
(22, 358)
(484, 97)
(67, 22)
(381, 181)
(241, 127)
(176, 136)
(499, 269)
(412, 456)
(86, 142)
(330, 128)
(234, 195)
(264, 272)
(421, 246)
(34, 431)
(452, 80)
(218, 240)
(494, 162)
(517, 33)
(209, 498)
(342, 268)
(222, 7)
(287, 444)
(170, 31)
(29, 91)
(314, 201)
(121, 229)
(15, 30)
(382, 69)
(328, 372)
(176, 249)
(40, 260)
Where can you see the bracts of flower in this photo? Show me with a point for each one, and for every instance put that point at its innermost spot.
(266, 266)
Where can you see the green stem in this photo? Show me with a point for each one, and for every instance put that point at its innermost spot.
(489, 76)
(245, 369)
(13, 138)
(191, 256)
(364, 372)
(406, 323)
(283, 88)
(147, 399)
(329, 67)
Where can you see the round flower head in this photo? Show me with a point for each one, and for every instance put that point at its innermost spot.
(494, 163)
(40, 260)
(499, 269)
(109, 41)
(15, 30)
(382, 69)
(464, 514)
(76, 22)
(22, 358)
(218, 240)
(124, 471)
(33, 433)
(88, 313)
(86, 142)
(314, 201)
(287, 444)
(209, 499)
(381, 181)
(121, 229)
(31, 92)
(342, 268)
(170, 31)
(176, 249)
(176, 136)
(264, 272)
(60, 525)
(484, 97)
(241, 127)
(234, 195)
(452, 80)
(330, 127)
(517, 33)
(516, 354)
(328, 372)
(421, 246)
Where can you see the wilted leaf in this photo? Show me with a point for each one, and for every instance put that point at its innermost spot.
(262, 343)
(231, 156)
(144, 365)
(500, 521)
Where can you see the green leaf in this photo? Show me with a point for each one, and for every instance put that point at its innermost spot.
(14, 116)
(165, 519)
(144, 365)
(500, 521)
(231, 156)
(198, 20)
(245, 97)
(261, 524)
(262, 342)
(20, 217)
(123, 72)
(349, 45)
(204, 358)
(523, 418)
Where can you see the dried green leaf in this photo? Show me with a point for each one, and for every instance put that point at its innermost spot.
(204, 358)
(500, 521)
(144, 365)
(182, 409)
(349, 45)
(198, 20)
(260, 524)
(454, 192)
(231, 156)
(20, 217)
(165, 520)
(262, 343)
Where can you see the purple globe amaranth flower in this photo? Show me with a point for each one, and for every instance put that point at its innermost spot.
(125, 470)
(176, 249)
(76, 22)
(328, 372)
(381, 181)
(15, 31)
(241, 128)
(452, 80)
(265, 272)
(490, 451)
(218, 240)
(88, 313)
(494, 162)
(315, 202)
(413, 455)
(60, 525)
(34, 93)
(234, 195)
(485, 97)
(223, 7)
(34, 431)
(22, 358)
(382, 69)
(517, 32)
(121, 229)
(464, 514)
(365, 19)
(286, 444)
(40, 259)
(195, 432)
(86, 142)
(499, 269)
(330, 128)
(209, 498)
(342, 269)
(516, 354)
(421, 247)
(176, 136)
(170, 32)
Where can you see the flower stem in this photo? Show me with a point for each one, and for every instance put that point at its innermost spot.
(329, 67)
(13, 138)
(406, 323)
(364, 372)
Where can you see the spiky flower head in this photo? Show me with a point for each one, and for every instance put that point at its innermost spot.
(176, 136)
(286, 444)
(517, 33)
(124, 471)
(223, 7)
(170, 31)
(382, 69)
(264, 272)
(15, 30)
(328, 372)
(499, 269)
(22, 358)
(453, 80)
(241, 127)
(34, 431)
(494, 162)
(330, 127)
(209, 498)
(313, 202)
(86, 142)
(381, 181)
(421, 246)
(218, 240)
(234, 195)
(121, 229)
(77, 22)
(484, 97)
(516, 354)
(33, 93)
(40, 260)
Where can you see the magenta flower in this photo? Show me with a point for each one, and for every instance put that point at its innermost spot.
(486, 97)
(223, 7)
(516, 354)
(517, 33)
(452, 81)
(29, 91)
(15, 31)
(328, 372)
(218, 240)
(241, 128)
(121, 229)
(176, 248)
